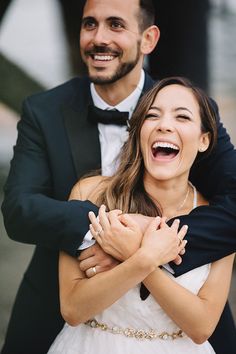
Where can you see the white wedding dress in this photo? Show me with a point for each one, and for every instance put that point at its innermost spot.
(122, 328)
(130, 312)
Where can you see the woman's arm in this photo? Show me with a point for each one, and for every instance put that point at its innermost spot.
(185, 308)
(81, 298)
(197, 315)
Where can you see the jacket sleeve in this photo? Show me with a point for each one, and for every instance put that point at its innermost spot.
(212, 229)
(31, 212)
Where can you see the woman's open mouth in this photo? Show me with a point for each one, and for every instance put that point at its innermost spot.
(162, 150)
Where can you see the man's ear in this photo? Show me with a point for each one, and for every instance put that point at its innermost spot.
(150, 38)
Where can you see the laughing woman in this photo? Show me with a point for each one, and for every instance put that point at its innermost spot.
(172, 128)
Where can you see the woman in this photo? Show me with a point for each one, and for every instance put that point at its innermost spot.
(171, 128)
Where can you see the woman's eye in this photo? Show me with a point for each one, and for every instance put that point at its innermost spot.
(183, 117)
(152, 116)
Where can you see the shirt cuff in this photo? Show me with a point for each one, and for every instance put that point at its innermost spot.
(168, 268)
(88, 241)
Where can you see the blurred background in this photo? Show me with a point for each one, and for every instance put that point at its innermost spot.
(39, 42)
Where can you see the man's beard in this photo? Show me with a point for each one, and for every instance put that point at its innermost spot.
(122, 70)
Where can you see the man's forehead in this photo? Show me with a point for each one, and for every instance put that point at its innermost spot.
(110, 8)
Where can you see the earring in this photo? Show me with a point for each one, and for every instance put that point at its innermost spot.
(201, 149)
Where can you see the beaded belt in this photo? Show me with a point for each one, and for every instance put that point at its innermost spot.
(135, 333)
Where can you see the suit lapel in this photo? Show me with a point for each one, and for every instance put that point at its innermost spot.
(83, 136)
(148, 83)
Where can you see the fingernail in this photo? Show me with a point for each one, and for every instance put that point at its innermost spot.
(186, 227)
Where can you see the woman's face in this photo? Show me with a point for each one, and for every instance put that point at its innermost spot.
(171, 135)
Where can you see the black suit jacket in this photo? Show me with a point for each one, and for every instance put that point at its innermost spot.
(56, 145)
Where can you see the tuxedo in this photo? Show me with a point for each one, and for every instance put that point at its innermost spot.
(56, 145)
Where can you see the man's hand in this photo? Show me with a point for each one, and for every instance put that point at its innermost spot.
(94, 260)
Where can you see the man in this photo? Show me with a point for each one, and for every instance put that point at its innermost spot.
(59, 141)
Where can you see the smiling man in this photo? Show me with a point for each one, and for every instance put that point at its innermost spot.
(113, 43)
(61, 138)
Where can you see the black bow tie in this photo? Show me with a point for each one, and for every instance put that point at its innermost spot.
(97, 115)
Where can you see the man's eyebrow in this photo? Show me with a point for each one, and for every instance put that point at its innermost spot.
(115, 18)
(111, 18)
(88, 18)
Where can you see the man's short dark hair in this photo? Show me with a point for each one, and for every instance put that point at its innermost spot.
(146, 15)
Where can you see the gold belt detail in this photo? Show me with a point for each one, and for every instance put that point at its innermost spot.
(135, 333)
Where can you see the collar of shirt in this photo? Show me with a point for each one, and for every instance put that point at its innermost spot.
(127, 105)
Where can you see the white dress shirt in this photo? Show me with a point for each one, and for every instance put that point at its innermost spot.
(112, 137)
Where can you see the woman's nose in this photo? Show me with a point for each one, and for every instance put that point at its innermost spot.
(165, 125)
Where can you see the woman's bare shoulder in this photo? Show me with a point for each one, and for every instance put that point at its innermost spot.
(87, 188)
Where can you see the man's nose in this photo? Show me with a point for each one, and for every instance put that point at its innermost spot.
(101, 36)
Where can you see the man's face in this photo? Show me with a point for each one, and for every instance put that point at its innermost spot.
(110, 39)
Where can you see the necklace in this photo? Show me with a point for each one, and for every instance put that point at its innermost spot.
(185, 199)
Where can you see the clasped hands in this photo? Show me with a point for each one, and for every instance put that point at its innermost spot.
(118, 236)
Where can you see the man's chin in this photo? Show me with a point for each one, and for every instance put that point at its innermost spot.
(102, 80)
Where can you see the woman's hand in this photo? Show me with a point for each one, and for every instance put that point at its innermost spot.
(118, 234)
(163, 243)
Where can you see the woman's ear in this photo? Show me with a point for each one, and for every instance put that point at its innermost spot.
(204, 142)
(150, 37)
